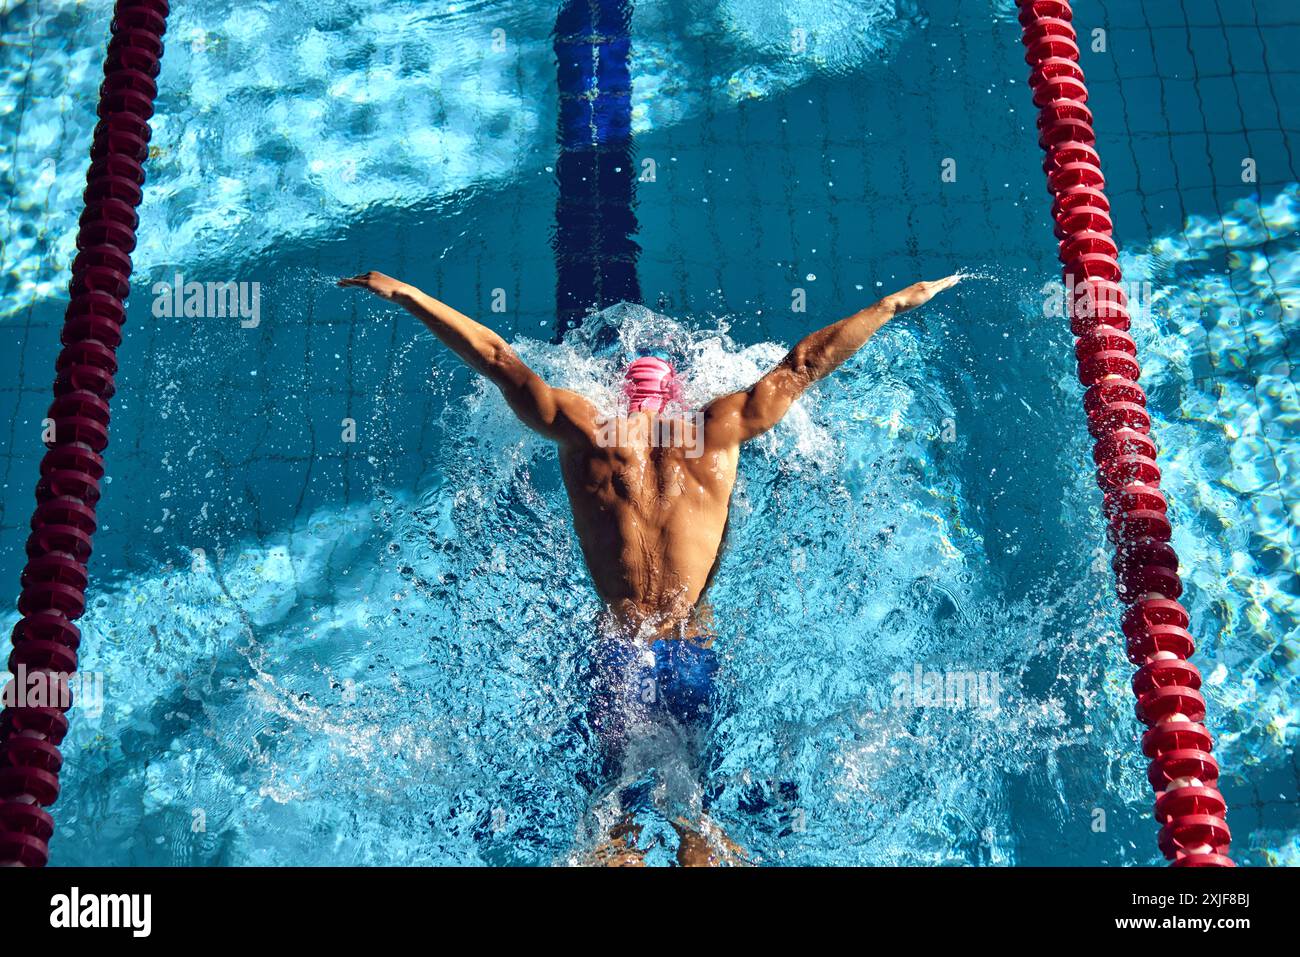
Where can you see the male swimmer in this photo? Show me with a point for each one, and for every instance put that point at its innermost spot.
(650, 516)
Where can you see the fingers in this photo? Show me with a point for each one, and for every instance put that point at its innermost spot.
(918, 294)
(385, 287)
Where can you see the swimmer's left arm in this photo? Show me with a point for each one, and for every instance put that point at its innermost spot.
(741, 416)
(820, 353)
(556, 413)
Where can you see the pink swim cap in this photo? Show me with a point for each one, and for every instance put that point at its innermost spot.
(650, 384)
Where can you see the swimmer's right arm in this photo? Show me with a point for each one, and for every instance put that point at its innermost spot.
(556, 413)
(741, 416)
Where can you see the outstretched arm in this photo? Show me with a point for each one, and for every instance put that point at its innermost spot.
(741, 416)
(556, 413)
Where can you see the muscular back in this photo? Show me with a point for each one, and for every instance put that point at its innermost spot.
(650, 515)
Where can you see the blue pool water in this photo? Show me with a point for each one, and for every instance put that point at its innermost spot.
(325, 651)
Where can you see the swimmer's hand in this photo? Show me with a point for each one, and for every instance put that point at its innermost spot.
(918, 294)
(385, 287)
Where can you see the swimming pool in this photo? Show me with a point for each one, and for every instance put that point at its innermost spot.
(326, 651)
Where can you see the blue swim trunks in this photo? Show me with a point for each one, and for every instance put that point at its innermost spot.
(634, 683)
(670, 677)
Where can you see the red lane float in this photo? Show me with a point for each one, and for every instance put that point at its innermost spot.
(1182, 772)
(45, 640)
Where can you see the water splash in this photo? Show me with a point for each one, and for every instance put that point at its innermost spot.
(430, 647)
(405, 677)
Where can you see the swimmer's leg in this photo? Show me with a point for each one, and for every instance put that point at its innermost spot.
(703, 845)
(615, 676)
(693, 850)
(686, 673)
(707, 846)
(620, 850)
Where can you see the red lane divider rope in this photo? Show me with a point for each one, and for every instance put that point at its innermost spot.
(53, 595)
(1183, 772)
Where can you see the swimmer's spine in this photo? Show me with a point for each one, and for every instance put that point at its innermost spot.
(1183, 773)
(45, 640)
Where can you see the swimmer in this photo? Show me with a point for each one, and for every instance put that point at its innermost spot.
(651, 515)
